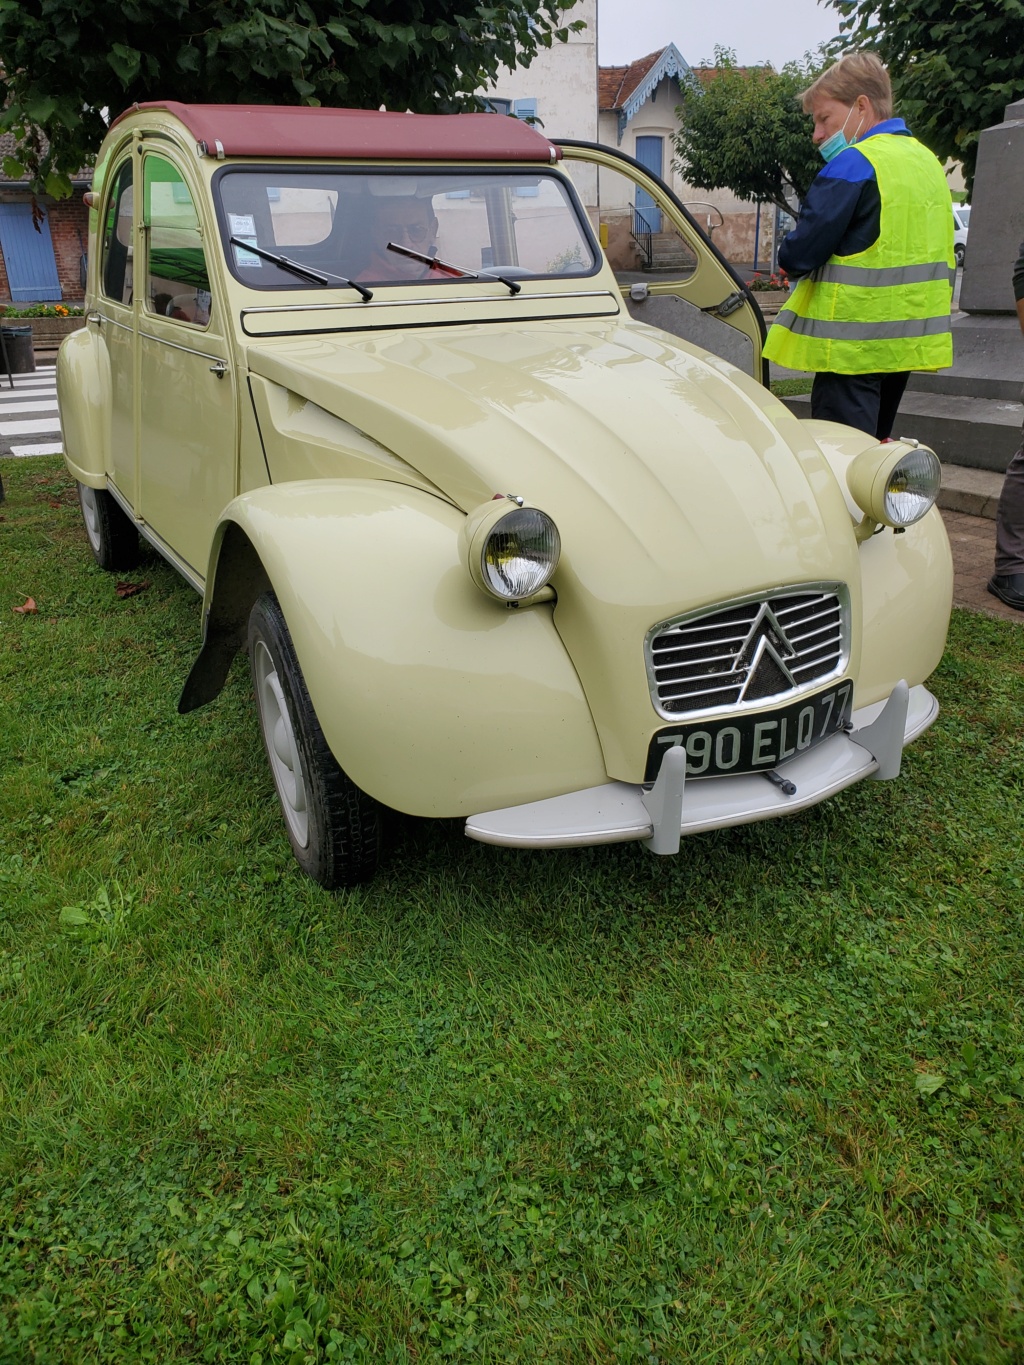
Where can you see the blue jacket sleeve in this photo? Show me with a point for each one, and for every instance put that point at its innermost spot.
(840, 216)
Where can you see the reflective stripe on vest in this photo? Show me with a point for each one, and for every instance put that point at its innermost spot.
(832, 330)
(884, 276)
(886, 308)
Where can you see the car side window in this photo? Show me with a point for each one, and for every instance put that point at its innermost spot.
(117, 268)
(177, 280)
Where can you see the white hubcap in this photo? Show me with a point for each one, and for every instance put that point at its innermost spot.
(282, 747)
(90, 514)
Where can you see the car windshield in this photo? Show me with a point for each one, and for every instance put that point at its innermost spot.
(509, 222)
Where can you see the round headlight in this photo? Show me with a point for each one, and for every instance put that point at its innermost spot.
(912, 487)
(895, 484)
(512, 551)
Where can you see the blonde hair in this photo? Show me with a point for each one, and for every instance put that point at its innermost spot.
(858, 73)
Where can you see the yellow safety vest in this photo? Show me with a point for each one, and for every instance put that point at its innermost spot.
(886, 308)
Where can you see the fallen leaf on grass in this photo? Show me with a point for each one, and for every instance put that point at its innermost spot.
(55, 502)
(927, 1082)
(27, 608)
(125, 589)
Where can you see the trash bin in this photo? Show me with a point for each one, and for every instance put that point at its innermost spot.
(17, 356)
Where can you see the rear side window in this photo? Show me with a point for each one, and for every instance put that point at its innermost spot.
(177, 280)
(117, 261)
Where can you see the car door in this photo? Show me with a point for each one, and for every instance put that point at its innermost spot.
(112, 323)
(188, 428)
(708, 304)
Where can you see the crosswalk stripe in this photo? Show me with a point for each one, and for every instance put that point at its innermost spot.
(44, 448)
(29, 428)
(34, 405)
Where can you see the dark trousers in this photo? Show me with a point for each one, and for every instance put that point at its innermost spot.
(1010, 518)
(865, 401)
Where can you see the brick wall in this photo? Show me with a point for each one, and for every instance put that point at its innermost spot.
(69, 231)
(69, 228)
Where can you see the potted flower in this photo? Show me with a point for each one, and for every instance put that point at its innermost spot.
(50, 323)
(771, 291)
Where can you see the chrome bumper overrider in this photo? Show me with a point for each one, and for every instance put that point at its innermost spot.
(617, 812)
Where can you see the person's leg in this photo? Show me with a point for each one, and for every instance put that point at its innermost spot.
(891, 388)
(1008, 581)
(848, 398)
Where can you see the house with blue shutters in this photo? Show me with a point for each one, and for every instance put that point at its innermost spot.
(638, 113)
(635, 109)
(42, 240)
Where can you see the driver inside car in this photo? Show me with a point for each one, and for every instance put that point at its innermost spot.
(408, 222)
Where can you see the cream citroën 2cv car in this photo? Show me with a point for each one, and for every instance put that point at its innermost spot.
(498, 548)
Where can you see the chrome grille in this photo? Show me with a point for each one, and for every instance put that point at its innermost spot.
(745, 652)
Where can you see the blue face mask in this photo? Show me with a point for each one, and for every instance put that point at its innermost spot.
(838, 142)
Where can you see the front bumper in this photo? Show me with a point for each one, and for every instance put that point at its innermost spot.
(617, 812)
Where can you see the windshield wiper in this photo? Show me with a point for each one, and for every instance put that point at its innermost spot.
(436, 263)
(303, 271)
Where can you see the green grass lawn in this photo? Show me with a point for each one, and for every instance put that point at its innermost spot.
(759, 1102)
(789, 388)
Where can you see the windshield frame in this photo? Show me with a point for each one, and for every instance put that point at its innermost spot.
(447, 170)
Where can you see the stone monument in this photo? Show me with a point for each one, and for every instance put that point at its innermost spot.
(997, 217)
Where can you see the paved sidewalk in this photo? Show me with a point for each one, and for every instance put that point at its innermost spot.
(973, 542)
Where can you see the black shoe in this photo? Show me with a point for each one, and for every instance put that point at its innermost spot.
(1009, 588)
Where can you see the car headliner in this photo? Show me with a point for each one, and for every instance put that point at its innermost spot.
(315, 132)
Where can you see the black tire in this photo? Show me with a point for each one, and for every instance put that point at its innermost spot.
(334, 828)
(110, 532)
(959, 251)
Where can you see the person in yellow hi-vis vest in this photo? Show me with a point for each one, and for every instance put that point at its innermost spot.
(873, 251)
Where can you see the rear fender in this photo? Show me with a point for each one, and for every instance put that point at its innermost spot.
(433, 698)
(83, 400)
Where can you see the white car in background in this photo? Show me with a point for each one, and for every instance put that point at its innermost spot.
(961, 219)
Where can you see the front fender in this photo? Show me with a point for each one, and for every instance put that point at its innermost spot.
(434, 699)
(83, 401)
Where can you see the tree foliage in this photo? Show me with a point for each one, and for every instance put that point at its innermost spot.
(955, 64)
(68, 65)
(743, 130)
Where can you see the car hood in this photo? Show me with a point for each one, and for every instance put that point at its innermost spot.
(675, 481)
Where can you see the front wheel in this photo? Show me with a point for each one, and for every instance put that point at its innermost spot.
(111, 533)
(959, 251)
(334, 828)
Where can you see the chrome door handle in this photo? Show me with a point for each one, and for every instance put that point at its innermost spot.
(220, 369)
(97, 318)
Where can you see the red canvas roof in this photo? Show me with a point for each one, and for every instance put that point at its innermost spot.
(300, 130)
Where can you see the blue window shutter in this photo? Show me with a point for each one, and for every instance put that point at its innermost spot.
(28, 255)
(526, 110)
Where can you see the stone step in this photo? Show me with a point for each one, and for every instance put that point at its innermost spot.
(974, 491)
(978, 433)
(965, 386)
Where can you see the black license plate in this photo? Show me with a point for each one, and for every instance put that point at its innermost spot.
(756, 743)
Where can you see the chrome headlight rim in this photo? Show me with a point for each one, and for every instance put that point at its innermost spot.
(895, 484)
(511, 549)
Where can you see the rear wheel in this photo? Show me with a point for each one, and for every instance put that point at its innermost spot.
(333, 826)
(111, 533)
(959, 251)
